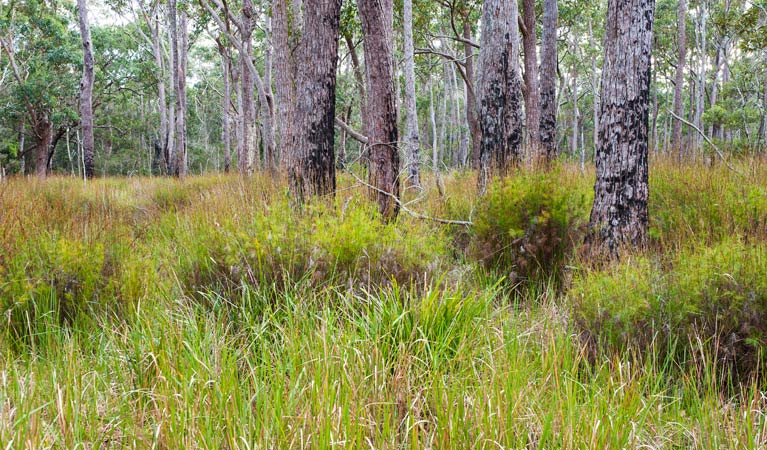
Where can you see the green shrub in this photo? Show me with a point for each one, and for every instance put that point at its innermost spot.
(528, 225)
(697, 205)
(330, 244)
(712, 297)
(54, 279)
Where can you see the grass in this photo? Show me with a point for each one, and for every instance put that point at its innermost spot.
(153, 313)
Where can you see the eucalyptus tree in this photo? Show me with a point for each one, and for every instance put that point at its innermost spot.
(383, 172)
(547, 130)
(499, 90)
(42, 54)
(86, 89)
(312, 162)
(619, 215)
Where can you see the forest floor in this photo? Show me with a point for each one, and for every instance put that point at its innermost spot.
(211, 313)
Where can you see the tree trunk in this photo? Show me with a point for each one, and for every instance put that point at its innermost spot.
(533, 94)
(284, 75)
(359, 75)
(226, 103)
(412, 146)
(312, 169)
(549, 61)
(676, 136)
(574, 101)
(700, 91)
(181, 64)
(434, 131)
(471, 98)
(764, 103)
(619, 215)
(499, 90)
(595, 90)
(44, 133)
(247, 115)
(86, 88)
(161, 146)
(377, 17)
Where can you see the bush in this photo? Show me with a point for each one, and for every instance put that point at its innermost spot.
(527, 226)
(329, 244)
(715, 295)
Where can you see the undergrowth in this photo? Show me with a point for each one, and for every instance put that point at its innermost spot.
(211, 313)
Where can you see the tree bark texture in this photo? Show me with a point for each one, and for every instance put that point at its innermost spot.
(548, 74)
(312, 169)
(471, 98)
(248, 113)
(619, 215)
(412, 144)
(383, 174)
(86, 88)
(533, 94)
(284, 34)
(676, 134)
(499, 90)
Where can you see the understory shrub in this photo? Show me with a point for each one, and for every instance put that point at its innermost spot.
(697, 205)
(711, 299)
(331, 244)
(528, 225)
(53, 279)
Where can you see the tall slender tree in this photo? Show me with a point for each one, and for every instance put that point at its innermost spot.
(532, 93)
(381, 111)
(676, 135)
(86, 89)
(619, 215)
(412, 145)
(549, 60)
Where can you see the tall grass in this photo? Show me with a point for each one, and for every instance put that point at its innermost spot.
(153, 313)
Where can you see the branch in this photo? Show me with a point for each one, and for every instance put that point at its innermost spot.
(356, 135)
(409, 211)
(716, 149)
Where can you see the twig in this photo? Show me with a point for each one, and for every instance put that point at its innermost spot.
(409, 211)
(716, 149)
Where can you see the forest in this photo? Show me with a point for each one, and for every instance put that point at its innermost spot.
(383, 224)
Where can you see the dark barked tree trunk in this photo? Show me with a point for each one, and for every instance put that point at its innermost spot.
(499, 91)
(86, 89)
(381, 111)
(312, 166)
(619, 215)
(549, 58)
(44, 133)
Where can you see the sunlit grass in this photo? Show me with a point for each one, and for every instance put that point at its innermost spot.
(211, 313)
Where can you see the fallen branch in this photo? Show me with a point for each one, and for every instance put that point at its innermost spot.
(716, 149)
(410, 212)
(356, 135)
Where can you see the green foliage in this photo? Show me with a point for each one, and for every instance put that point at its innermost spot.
(528, 225)
(710, 298)
(705, 205)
